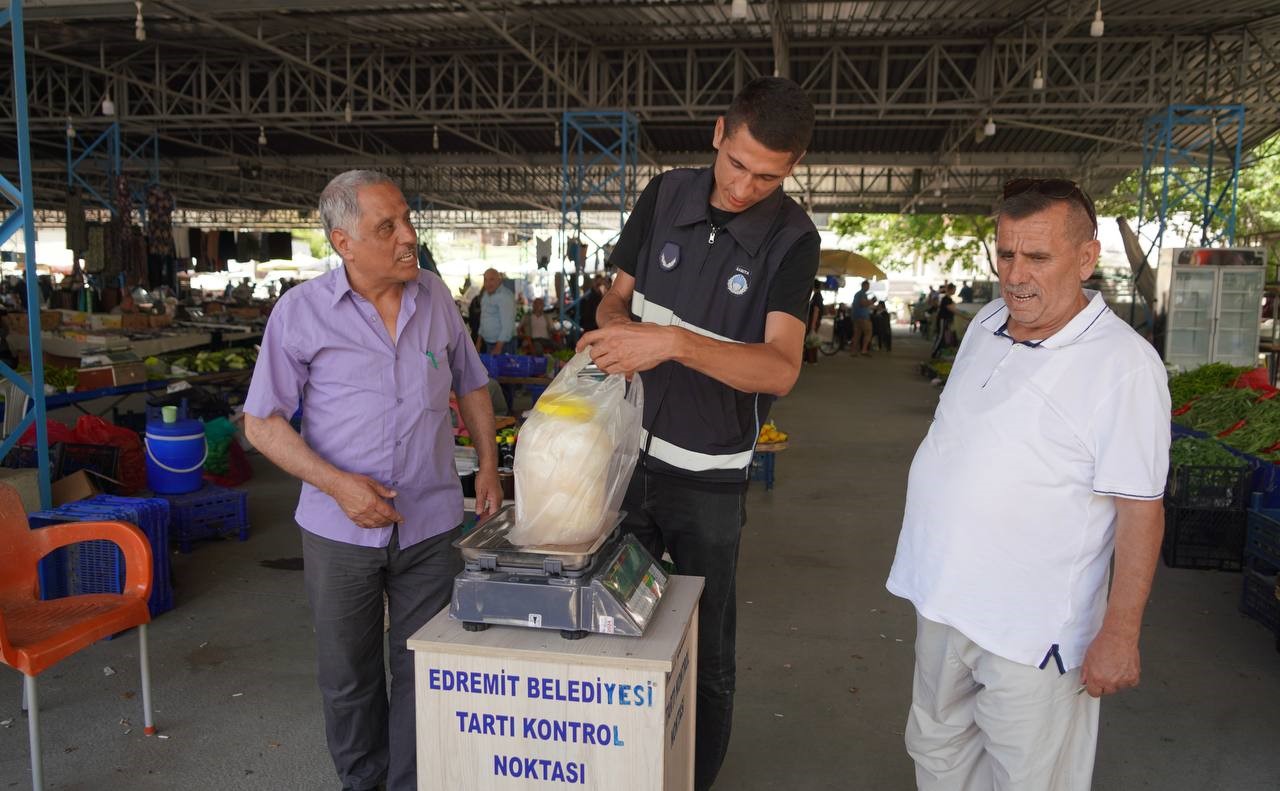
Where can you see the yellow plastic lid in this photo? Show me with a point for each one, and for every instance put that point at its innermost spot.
(567, 407)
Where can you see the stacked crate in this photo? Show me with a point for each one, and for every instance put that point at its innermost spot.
(1205, 517)
(1260, 597)
(209, 512)
(98, 566)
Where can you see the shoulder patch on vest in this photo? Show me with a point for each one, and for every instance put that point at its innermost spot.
(669, 256)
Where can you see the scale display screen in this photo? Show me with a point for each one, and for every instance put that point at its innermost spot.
(635, 580)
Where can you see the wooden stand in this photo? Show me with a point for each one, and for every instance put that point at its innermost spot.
(516, 708)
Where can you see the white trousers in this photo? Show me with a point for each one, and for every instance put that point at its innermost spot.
(979, 722)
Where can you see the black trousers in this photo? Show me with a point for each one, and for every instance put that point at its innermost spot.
(370, 729)
(700, 525)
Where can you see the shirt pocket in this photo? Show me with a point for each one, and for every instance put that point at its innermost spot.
(438, 378)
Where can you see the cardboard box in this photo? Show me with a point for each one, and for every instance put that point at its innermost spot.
(17, 321)
(74, 318)
(95, 378)
(127, 373)
(161, 320)
(78, 485)
(27, 482)
(106, 321)
(212, 308)
(136, 321)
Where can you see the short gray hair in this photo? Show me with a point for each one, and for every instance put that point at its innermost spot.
(339, 204)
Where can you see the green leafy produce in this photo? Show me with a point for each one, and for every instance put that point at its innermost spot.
(1193, 452)
(60, 378)
(1218, 411)
(1261, 431)
(1202, 381)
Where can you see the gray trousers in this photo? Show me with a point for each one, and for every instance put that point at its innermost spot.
(370, 732)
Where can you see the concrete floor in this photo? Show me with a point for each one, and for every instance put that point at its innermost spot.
(825, 652)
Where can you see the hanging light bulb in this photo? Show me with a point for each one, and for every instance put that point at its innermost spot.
(1037, 82)
(989, 128)
(738, 9)
(71, 130)
(1096, 27)
(435, 138)
(139, 29)
(108, 106)
(262, 135)
(348, 112)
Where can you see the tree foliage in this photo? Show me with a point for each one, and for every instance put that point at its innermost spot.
(899, 241)
(1257, 197)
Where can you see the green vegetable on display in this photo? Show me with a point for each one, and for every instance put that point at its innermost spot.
(1194, 452)
(1218, 411)
(1202, 381)
(1261, 429)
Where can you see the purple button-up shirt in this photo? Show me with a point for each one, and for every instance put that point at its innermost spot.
(372, 407)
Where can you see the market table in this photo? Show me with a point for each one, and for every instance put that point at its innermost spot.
(504, 707)
(120, 392)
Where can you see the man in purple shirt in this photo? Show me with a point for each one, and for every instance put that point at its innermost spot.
(372, 349)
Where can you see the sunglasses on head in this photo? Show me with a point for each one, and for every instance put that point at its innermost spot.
(1060, 189)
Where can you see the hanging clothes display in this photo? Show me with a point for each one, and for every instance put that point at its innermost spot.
(226, 249)
(543, 252)
(95, 251)
(119, 236)
(280, 246)
(159, 221)
(182, 248)
(77, 233)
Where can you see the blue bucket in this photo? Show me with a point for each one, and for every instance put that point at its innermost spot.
(175, 456)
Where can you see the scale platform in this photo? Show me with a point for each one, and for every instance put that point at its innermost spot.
(610, 586)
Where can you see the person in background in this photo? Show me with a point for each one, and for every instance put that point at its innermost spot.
(1058, 412)
(812, 340)
(497, 314)
(862, 302)
(966, 293)
(882, 326)
(714, 272)
(373, 348)
(590, 303)
(535, 329)
(243, 293)
(945, 321)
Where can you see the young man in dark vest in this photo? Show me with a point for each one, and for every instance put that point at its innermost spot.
(715, 267)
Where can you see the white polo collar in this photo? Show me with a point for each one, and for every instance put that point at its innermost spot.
(1069, 334)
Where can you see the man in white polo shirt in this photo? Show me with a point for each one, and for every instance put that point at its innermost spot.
(1053, 431)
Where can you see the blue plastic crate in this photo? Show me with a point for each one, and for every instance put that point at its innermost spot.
(1262, 538)
(98, 566)
(491, 364)
(1264, 476)
(210, 512)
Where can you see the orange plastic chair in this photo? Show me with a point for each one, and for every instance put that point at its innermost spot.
(35, 634)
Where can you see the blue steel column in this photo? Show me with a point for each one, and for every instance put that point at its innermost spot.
(23, 201)
(1181, 145)
(592, 138)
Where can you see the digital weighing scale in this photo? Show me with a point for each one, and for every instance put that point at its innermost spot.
(610, 586)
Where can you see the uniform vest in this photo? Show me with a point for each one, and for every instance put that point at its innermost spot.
(714, 282)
